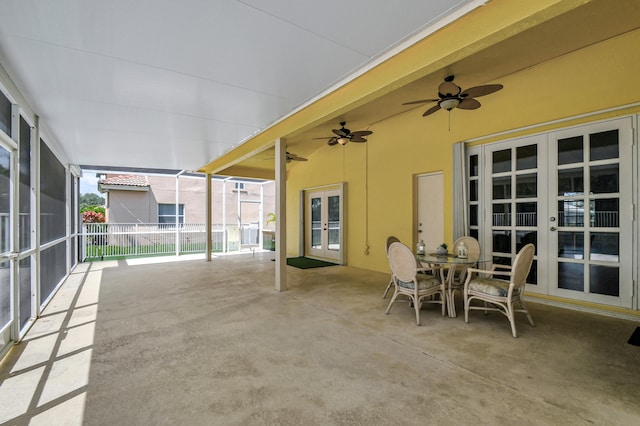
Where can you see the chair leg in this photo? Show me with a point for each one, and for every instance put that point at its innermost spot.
(417, 305)
(526, 311)
(512, 318)
(393, 299)
(387, 289)
(466, 301)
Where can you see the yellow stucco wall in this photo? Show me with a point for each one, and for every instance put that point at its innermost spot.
(597, 78)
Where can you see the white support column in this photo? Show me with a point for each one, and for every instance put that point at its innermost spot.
(261, 218)
(239, 215)
(207, 226)
(224, 216)
(14, 220)
(177, 221)
(35, 217)
(68, 207)
(239, 205)
(281, 215)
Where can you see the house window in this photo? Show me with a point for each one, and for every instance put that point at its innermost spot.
(239, 185)
(167, 214)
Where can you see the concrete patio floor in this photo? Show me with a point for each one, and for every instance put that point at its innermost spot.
(212, 343)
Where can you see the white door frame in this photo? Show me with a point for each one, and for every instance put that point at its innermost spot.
(429, 224)
(324, 252)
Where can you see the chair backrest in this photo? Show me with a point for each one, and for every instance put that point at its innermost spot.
(402, 262)
(473, 247)
(390, 240)
(521, 265)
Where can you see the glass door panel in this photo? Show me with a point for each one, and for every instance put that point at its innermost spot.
(474, 196)
(514, 200)
(25, 291)
(323, 224)
(334, 223)
(316, 223)
(6, 304)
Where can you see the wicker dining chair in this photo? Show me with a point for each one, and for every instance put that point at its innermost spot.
(456, 282)
(501, 294)
(408, 282)
(390, 240)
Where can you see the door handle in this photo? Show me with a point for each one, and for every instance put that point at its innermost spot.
(419, 231)
(553, 228)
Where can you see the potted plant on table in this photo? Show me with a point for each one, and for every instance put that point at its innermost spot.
(442, 249)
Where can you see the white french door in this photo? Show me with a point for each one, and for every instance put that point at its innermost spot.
(569, 193)
(591, 213)
(324, 224)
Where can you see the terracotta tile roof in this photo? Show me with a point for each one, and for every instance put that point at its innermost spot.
(126, 180)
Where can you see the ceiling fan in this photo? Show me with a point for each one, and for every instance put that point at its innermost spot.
(293, 157)
(344, 135)
(451, 96)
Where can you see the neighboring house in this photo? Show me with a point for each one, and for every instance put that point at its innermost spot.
(152, 199)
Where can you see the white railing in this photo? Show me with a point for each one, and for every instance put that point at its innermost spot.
(110, 240)
(600, 219)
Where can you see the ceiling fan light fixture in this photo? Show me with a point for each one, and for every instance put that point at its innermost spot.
(343, 141)
(449, 104)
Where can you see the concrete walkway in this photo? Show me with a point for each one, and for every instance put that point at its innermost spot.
(197, 343)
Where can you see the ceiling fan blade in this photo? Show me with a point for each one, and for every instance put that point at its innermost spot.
(469, 103)
(332, 141)
(474, 92)
(298, 159)
(340, 132)
(423, 101)
(361, 133)
(448, 89)
(431, 110)
(357, 139)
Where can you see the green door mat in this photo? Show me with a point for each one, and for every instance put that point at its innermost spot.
(306, 263)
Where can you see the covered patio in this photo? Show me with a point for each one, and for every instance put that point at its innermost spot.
(192, 342)
(197, 342)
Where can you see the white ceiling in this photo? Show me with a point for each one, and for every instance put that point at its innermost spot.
(173, 84)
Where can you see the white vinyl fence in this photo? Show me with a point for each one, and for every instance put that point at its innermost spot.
(111, 240)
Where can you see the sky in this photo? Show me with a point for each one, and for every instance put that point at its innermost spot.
(89, 183)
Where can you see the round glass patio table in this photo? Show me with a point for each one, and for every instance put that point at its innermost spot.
(447, 264)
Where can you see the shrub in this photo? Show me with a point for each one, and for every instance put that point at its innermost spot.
(90, 216)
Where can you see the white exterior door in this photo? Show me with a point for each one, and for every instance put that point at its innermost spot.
(569, 193)
(323, 224)
(430, 226)
(590, 217)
